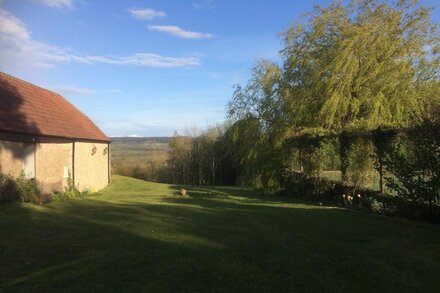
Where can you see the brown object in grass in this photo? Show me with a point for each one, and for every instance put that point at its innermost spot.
(183, 192)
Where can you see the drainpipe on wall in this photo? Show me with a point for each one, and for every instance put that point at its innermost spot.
(108, 163)
(73, 163)
(35, 158)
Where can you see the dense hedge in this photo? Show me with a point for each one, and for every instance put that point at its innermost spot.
(408, 162)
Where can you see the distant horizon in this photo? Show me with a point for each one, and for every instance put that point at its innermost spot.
(134, 137)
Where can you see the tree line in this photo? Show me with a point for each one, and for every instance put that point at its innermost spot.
(356, 90)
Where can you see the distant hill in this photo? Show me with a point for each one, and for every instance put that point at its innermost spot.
(158, 139)
(130, 154)
(138, 147)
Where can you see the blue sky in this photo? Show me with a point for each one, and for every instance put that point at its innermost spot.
(144, 68)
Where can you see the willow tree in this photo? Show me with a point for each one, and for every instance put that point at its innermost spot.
(354, 67)
(257, 108)
(260, 98)
(368, 65)
(361, 66)
(357, 67)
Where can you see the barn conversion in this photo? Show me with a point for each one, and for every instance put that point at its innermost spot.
(49, 139)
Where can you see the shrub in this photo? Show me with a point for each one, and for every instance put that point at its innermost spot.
(300, 185)
(8, 188)
(373, 205)
(359, 171)
(70, 191)
(414, 162)
(27, 189)
(314, 188)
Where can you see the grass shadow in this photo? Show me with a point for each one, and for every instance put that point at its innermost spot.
(216, 242)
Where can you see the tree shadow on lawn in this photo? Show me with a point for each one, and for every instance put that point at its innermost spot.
(206, 244)
(244, 195)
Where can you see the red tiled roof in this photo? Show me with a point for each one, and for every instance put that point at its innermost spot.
(28, 109)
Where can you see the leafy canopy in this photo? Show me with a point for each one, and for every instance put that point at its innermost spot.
(354, 67)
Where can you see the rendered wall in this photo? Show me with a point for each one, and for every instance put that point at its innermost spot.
(91, 165)
(52, 162)
(11, 157)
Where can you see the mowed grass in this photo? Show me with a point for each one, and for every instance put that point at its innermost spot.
(144, 237)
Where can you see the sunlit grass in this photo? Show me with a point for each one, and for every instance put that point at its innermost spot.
(141, 236)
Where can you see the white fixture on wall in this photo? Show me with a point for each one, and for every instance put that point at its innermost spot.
(66, 172)
(29, 160)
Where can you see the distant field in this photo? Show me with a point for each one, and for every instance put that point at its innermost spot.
(140, 157)
(138, 148)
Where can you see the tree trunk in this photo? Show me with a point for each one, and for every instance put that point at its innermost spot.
(381, 175)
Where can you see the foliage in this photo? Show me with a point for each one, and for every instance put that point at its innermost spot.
(179, 158)
(260, 99)
(330, 153)
(354, 68)
(70, 191)
(152, 169)
(360, 169)
(194, 159)
(349, 78)
(414, 162)
(312, 188)
(8, 188)
(27, 189)
(310, 155)
(382, 139)
(360, 66)
(373, 205)
(19, 189)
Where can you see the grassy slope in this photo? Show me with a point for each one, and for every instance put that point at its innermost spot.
(142, 236)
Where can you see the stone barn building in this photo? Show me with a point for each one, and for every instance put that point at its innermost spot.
(49, 139)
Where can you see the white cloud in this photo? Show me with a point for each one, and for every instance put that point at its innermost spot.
(146, 13)
(134, 135)
(178, 32)
(18, 49)
(56, 3)
(72, 91)
(10, 25)
(142, 59)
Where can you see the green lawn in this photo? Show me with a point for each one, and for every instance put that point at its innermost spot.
(140, 236)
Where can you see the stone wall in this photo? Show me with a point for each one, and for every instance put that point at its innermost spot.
(53, 165)
(91, 165)
(11, 157)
